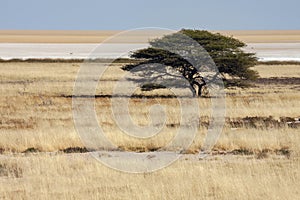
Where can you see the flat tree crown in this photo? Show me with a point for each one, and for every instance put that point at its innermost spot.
(226, 52)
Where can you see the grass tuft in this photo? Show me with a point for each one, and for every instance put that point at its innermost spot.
(75, 150)
(31, 150)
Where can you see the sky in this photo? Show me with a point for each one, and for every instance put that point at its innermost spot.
(129, 14)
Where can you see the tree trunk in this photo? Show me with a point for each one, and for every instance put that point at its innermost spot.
(197, 84)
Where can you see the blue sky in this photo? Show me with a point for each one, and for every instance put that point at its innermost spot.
(172, 14)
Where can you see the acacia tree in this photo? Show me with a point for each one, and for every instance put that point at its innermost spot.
(232, 62)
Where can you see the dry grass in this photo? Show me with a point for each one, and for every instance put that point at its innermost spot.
(34, 114)
(80, 176)
(36, 117)
(268, 71)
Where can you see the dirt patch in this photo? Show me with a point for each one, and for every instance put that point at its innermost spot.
(10, 170)
(139, 149)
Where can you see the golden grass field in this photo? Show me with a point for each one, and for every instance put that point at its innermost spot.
(256, 157)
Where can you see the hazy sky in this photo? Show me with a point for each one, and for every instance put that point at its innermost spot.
(173, 14)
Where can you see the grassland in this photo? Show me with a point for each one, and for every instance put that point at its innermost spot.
(256, 157)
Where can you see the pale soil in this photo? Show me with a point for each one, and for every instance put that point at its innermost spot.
(13, 36)
(266, 36)
(76, 36)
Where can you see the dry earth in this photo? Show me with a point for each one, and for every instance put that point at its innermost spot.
(46, 36)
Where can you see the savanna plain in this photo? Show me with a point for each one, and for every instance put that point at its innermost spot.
(43, 157)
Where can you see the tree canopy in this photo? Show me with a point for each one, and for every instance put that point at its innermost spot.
(232, 62)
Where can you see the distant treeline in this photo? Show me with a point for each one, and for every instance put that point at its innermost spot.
(279, 62)
(119, 60)
(61, 60)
